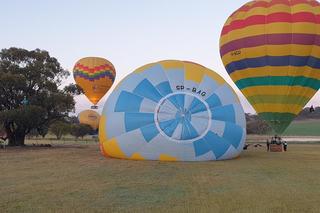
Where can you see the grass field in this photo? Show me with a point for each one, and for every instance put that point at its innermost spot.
(77, 178)
(304, 128)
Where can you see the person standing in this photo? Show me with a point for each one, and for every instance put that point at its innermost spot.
(268, 145)
(285, 145)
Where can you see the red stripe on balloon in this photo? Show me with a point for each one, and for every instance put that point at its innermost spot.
(270, 39)
(94, 69)
(271, 18)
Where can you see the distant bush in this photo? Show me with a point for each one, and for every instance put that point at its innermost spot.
(255, 125)
(40, 131)
(3, 134)
(80, 130)
(59, 128)
(306, 114)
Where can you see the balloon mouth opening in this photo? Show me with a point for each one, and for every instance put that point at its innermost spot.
(182, 117)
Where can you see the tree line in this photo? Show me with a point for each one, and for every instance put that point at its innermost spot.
(31, 94)
(33, 101)
(61, 128)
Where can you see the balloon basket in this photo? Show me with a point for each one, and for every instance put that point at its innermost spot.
(276, 148)
(94, 107)
(275, 144)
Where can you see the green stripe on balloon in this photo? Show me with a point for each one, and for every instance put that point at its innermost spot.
(278, 99)
(279, 81)
(92, 74)
(278, 121)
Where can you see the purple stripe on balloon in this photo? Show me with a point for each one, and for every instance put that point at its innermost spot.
(93, 78)
(270, 39)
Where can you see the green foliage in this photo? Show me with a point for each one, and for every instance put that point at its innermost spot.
(80, 130)
(73, 89)
(59, 128)
(39, 131)
(72, 120)
(305, 128)
(34, 76)
(43, 130)
(3, 134)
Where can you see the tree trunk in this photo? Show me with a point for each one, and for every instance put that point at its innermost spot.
(16, 139)
(59, 136)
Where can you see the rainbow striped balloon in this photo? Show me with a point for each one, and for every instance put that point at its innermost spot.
(95, 76)
(271, 50)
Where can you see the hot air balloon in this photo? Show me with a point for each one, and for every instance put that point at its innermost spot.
(95, 76)
(172, 111)
(271, 50)
(89, 117)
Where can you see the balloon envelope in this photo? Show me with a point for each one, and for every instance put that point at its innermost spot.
(90, 117)
(270, 49)
(95, 76)
(172, 110)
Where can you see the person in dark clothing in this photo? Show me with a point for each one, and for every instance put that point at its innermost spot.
(311, 109)
(285, 145)
(245, 147)
(268, 145)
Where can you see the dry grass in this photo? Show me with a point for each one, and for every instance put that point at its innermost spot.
(77, 178)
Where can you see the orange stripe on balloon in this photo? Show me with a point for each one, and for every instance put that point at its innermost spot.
(267, 4)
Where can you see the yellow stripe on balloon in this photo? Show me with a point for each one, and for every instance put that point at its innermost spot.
(214, 76)
(165, 157)
(113, 149)
(102, 126)
(136, 156)
(279, 90)
(171, 64)
(272, 28)
(144, 68)
(281, 108)
(276, 50)
(193, 72)
(92, 62)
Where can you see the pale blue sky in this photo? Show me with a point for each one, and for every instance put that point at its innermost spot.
(128, 33)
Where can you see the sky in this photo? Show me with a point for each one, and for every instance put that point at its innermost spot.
(128, 33)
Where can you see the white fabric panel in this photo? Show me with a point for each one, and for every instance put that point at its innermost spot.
(115, 124)
(240, 116)
(177, 133)
(147, 106)
(155, 70)
(208, 85)
(206, 157)
(225, 95)
(217, 127)
(131, 142)
(176, 78)
(200, 124)
(161, 145)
